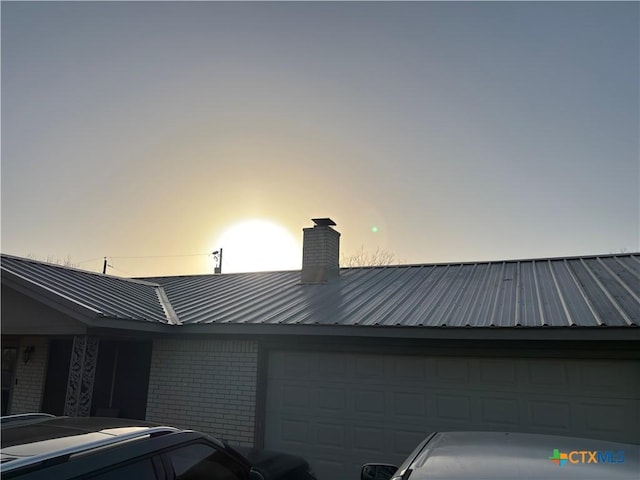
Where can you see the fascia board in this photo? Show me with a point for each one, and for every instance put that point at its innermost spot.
(456, 333)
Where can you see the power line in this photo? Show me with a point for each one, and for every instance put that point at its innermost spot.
(162, 256)
(130, 257)
(90, 260)
(108, 259)
(120, 270)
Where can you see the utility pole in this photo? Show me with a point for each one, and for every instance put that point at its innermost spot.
(217, 255)
(104, 266)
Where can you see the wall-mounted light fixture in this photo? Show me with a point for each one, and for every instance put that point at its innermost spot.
(27, 352)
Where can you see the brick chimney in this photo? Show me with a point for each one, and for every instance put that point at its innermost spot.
(320, 252)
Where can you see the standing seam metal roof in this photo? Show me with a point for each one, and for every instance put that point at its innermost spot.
(104, 295)
(562, 292)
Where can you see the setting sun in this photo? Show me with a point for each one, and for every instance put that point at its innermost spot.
(258, 245)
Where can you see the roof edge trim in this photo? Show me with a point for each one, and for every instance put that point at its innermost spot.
(631, 333)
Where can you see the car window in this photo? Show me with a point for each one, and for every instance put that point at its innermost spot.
(141, 470)
(203, 462)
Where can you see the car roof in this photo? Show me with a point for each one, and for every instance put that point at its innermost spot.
(33, 439)
(505, 455)
(31, 429)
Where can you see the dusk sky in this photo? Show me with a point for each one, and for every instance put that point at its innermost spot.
(461, 131)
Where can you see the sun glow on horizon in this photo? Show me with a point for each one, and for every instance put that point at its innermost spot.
(258, 245)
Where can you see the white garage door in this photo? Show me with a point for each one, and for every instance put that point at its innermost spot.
(340, 410)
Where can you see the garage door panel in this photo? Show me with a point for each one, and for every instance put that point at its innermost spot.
(370, 367)
(499, 411)
(330, 434)
(340, 410)
(453, 371)
(413, 368)
(294, 431)
(295, 396)
(328, 365)
(369, 402)
(497, 372)
(369, 440)
(548, 374)
(609, 416)
(550, 414)
(294, 364)
(600, 377)
(455, 408)
(409, 404)
(331, 399)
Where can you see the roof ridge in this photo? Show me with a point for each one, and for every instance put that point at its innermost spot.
(498, 261)
(172, 278)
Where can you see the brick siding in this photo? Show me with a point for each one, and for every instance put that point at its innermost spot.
(205, 384)
(321, 247)
(29, 380)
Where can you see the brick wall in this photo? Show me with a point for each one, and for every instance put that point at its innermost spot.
(321, 246)
(205, 384)
(320, 254)
(29, 380)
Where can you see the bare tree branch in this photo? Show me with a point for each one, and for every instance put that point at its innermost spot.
(362, 258)
(66, 262)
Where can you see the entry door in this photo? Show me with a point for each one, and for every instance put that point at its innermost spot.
(122, 379)
(9, 357)
(55, 385)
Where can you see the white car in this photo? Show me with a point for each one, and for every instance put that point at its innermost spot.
(512, 456)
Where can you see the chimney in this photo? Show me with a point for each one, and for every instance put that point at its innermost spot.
(320, 252)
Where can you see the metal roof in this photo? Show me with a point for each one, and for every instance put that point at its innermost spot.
(562, 292)
(566, 292)
(95, 294)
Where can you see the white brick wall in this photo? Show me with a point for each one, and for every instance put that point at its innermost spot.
(205, 384)
(29, 380)
(321, 246)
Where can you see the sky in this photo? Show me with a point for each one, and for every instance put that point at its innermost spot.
(153, 132)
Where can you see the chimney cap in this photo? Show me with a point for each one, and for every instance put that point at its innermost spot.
(323, 222)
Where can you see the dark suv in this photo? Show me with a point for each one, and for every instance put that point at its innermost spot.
(39, 446)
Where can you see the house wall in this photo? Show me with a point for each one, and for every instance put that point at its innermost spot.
(29, 378)
(208, 384)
